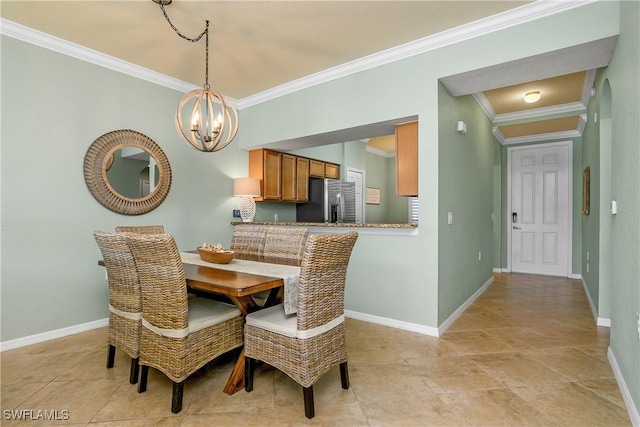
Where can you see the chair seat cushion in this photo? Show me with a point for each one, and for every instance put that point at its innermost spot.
(204, 312)
(274, 319)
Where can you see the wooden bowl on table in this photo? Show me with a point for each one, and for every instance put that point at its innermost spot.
(223, 257)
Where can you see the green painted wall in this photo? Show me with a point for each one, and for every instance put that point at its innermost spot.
(53, 108)
(466, 190)
(622, 75)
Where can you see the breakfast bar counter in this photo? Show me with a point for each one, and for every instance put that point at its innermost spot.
(335, 225)
(398, 229)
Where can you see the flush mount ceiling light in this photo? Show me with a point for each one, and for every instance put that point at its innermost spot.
(531, 97)
(213, 120)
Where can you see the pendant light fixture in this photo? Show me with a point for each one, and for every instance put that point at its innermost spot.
(212, 119)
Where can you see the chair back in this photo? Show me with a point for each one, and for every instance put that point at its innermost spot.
(162, 281)
(284, 245)
(322, 278)
(122, 275)
(140, 229)
(247, 241)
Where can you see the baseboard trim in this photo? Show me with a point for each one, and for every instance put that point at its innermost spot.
(600, 321)
(398, 324)
(454, 316)
(575, 276)
(50, 335)
(624, 390)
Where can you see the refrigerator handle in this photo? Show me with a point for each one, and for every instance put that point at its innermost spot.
(340, 207)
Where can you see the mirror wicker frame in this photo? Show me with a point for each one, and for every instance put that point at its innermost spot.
(96, 162)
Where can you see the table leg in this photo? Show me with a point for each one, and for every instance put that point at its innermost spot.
(275, 297)
(235, 382)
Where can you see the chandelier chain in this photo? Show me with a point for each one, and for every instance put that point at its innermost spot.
(204, 33)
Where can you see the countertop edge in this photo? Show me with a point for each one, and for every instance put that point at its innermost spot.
(332, 225)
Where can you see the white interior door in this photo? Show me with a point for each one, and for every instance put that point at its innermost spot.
(357, 176)
(540, 211)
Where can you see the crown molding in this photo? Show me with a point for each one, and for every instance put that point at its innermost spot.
(56, 44)
(520, 15)
(540, 112)
(517, 16)
(543, 136)
(379, 152)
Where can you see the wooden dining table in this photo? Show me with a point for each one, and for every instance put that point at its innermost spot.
(239, 288)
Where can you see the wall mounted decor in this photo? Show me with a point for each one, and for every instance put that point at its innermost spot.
(372, 196)
(139, 174)
(586, 190)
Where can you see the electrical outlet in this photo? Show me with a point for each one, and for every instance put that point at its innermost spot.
(479, 255)
(638, 314)
(236, 213)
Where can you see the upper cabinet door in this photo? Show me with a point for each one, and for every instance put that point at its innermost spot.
(316, 168)
(266, 165)
(331, 171)
(302, 179)
(289, 183)
(407, 159)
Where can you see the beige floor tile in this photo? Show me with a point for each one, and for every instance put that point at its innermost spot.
(16, 393)
(374, 383)
(80, 399)
(127, 403)
(607, 388)
(495, 408)
(246, 418)
(516, 369)
(155, 422)
(411, 411)
(572, 363)
(571, 404)
(338, 415)
(208, 396)
(475, 342)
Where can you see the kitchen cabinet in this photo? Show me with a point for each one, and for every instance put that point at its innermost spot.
(331, 171)
(319, 169)
(302, 179)
(266, 165)
(283, 177)
(406, 135)
(316, 168)
(289, 183)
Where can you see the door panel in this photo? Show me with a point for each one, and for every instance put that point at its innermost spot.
(540, 210)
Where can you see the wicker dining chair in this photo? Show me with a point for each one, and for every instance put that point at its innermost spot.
(247, 241)
(306, 345)
(125, 303)
(140, 229)
(284, 245)
(179, 335)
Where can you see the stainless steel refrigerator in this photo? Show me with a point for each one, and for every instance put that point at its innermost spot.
(330, 200)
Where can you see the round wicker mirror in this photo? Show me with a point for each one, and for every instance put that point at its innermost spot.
(104, 154)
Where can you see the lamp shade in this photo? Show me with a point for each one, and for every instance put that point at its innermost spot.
(246, 187)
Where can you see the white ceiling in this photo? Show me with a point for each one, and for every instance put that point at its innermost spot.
(258, 47)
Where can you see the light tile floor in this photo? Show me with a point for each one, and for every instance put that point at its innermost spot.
(527, 352)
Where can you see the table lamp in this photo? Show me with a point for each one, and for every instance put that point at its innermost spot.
(246, 189)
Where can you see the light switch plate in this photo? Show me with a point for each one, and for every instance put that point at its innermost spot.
(449, 218)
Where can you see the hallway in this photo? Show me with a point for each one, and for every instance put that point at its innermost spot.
(527, 352)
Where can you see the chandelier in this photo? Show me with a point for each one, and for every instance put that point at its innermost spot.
(213, 120)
